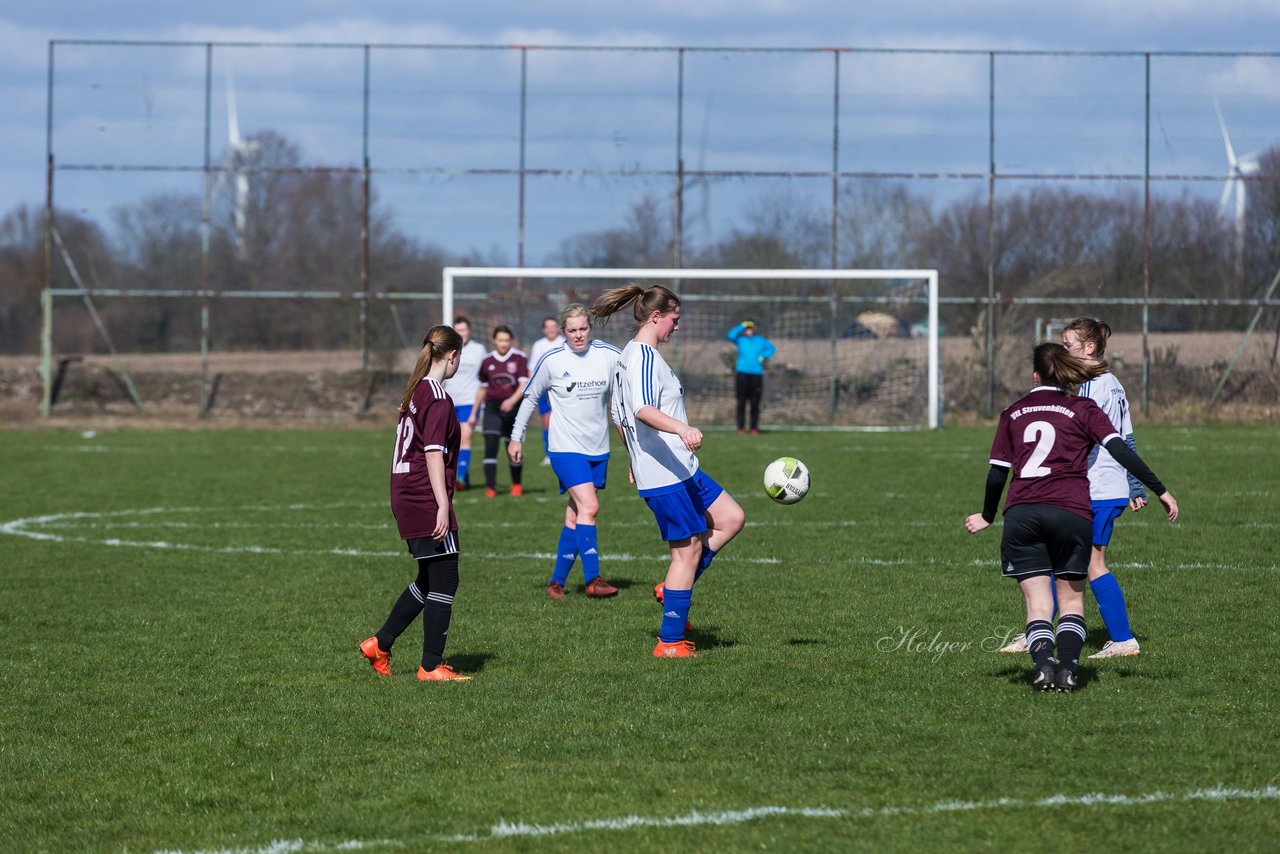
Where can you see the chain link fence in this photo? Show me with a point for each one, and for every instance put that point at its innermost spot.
(1143, 188)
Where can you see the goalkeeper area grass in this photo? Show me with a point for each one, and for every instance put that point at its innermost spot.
(181, 612)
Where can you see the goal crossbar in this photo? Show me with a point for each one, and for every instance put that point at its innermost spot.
(930, 277)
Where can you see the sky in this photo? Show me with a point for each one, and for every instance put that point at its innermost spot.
(1032, 25)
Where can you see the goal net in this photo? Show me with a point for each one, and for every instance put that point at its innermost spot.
(856, 348)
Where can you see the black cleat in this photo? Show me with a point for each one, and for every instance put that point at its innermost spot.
(1044, 678)
(1065, 681)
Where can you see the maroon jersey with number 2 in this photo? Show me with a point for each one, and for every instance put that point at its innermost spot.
(429, 425)
(1046, 438)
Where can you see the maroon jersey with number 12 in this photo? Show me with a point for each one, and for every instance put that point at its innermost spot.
(1045, 438)
(429, 425)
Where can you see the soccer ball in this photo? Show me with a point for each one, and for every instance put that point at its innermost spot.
(786, 480)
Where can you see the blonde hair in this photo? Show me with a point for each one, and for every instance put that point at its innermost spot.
(576, 309)
(1089, 330)
(1057, 367)
(646, 302)
(438, 342)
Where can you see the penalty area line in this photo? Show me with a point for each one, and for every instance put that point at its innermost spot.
(515, 830)
(507, 830)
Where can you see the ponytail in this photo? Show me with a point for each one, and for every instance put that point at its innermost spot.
(646, 301)
(1059, 368)
(439, 341)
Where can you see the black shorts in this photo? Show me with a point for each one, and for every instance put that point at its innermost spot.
(496, 422)
(1043, 540)
(421, 547)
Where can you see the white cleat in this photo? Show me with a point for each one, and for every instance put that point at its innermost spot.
(1118, 649)
(1018, 644)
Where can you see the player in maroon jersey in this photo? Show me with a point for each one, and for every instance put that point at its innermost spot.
(503, 375)
(424, 467)
(1045, 438)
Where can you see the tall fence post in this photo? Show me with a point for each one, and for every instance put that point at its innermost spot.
(1146, 244)
(364, 231)
(46, 351)
(678, 237)
(46, 298)
(206, 226)
(991, 234)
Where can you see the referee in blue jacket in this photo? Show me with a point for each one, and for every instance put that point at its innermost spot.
(753, 351)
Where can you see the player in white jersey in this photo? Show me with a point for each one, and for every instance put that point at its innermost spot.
(576, 375)
(462, 387)
(1111, 487)
(551, 337)
(695, 516)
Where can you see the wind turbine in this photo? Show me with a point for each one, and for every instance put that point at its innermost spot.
(240, 154)
(1238, 168)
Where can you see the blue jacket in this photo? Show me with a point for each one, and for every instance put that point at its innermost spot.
(752, 350)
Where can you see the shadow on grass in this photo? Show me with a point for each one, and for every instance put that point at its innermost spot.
(470, 663)
(1095, 640)
(706, 637)
(1021, 674)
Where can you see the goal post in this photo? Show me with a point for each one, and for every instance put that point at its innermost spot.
(856, 348)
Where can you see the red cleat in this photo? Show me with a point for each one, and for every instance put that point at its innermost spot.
(675, 649)
(658, 591)
(517, 490)
(380, 660)
(555, 591)
(442, 673)
(601, 589)
(490, 492)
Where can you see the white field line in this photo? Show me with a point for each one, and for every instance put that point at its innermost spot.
(24, 528)
(505, 830)
(46, 528)
(516, 830)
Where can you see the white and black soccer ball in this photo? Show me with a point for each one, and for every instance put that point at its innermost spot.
(786, 480)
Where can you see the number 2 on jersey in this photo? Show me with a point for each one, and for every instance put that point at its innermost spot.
(1043, 434)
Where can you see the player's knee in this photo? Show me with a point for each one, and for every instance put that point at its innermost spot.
(734, 519)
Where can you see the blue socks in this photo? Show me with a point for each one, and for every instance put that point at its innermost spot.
(464, 463)
(704, 563)
(675, 612)
(566, 553)
(587, 550)
(1106, 590)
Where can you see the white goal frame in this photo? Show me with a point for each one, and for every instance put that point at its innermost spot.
(450, 274)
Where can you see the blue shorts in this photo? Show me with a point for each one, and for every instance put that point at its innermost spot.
(464, 412)
(544, 404)
(577, 469)
(1105, 514)
(682, 513)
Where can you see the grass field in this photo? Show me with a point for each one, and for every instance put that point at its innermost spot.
(181, 610)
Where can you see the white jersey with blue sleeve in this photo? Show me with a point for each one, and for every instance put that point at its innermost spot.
(463, 385)
(580, 388)
(659, 461)
(1108, 480)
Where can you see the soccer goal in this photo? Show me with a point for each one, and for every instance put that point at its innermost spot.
(856, 348)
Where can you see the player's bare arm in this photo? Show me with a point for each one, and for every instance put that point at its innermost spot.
(659, 420)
